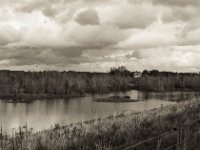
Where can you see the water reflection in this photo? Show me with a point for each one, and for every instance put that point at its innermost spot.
(41, 114)
(169, 96)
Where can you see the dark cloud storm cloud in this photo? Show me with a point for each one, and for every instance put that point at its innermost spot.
(88, 17)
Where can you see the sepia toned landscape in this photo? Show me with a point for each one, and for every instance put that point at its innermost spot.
(99, 75)
(117, 110)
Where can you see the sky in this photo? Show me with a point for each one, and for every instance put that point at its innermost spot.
(95, 35)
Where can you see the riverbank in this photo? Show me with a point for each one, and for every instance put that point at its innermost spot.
(114, 132)
(30, 97)
(27, 98)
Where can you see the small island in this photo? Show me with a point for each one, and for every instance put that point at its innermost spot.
(116, 99)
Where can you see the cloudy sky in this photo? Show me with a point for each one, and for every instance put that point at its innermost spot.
(94, 35)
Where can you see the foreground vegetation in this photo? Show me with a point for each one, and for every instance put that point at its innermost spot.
(115, 132)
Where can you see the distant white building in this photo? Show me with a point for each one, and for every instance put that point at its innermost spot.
(137, 74)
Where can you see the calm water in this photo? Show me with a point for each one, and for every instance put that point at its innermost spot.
(42, 114)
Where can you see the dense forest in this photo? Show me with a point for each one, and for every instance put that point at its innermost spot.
(64, 83)
(170, 81)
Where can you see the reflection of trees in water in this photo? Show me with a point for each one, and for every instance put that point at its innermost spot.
(143, 95)
(151, 95)
(185, 96)
(197, 95)
(170, 96)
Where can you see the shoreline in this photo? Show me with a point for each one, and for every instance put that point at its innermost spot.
(36, 96)
(115, 131)
(176, 90)
(32, 97)
(150, 120)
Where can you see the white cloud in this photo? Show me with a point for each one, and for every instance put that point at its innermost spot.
(97, 36)
(92, 34)
(128, 16)
(8, 35)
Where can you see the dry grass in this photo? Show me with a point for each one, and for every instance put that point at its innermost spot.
(113, 132)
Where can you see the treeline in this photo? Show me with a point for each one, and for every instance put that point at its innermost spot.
(170, 81)
(78, 83)
(62, 83)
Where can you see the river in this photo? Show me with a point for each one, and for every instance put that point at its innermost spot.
(42, 114)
